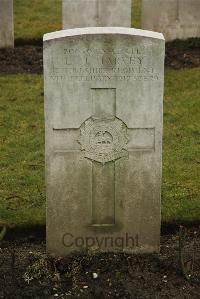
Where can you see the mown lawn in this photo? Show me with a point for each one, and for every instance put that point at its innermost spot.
(181, 159)
(21, 149)
(136, 13)
(22, 186)
(34, 18)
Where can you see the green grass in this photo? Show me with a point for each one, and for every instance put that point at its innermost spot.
(22, 190)
(181, 164)
(33, 18)
(22, 195)
(136, 13)
(21, 150)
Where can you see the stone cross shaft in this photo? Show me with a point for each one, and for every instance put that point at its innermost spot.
(103, 139)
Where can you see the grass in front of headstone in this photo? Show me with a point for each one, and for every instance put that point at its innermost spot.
(22, 184)
(181, 162)
(34, 18)
(22, 199)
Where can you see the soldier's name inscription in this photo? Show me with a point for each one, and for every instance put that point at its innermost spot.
(103, 64)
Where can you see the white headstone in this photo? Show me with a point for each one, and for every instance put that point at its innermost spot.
(6, 24)
(87, 13)
(103, 111)
(176, 19)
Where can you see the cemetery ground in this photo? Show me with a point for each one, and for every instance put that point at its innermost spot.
(26, 271)
(22, 148)
(25, 268)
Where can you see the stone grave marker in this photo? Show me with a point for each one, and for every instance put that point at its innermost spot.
(88, 13)
(176, 19)
(6, 24)
(103, 115)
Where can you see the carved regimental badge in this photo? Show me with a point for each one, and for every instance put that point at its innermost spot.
(103, 140)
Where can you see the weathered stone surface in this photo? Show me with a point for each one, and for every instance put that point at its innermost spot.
(6, 24)
(103, 111)
(176, 19)
(91, 13)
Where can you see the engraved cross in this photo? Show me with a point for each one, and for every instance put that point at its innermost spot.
(104, 138)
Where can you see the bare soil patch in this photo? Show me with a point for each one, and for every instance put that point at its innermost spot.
(27, 272)
(182, 54)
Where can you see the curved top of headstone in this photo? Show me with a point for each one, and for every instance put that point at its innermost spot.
(102, 30)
